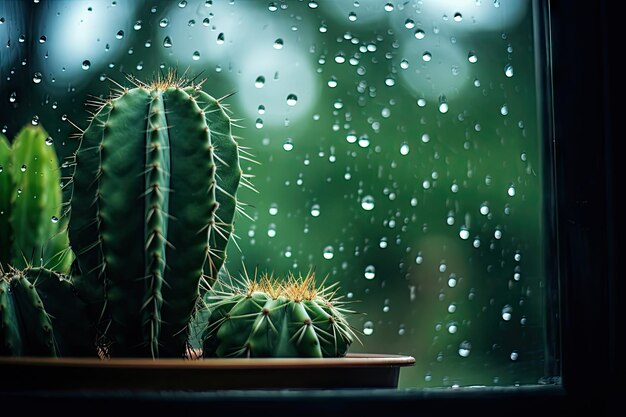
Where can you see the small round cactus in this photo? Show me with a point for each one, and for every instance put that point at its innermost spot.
(268, 317)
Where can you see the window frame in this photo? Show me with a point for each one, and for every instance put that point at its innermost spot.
(582, 141)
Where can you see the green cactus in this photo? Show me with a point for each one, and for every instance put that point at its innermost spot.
(30, 203)
(270, 318)
(152, 207)
(42, 315)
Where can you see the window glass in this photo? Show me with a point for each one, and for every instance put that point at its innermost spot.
(399, 145)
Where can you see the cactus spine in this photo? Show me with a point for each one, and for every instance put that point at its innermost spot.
(30, 203)
(147, 205)
(269, 318)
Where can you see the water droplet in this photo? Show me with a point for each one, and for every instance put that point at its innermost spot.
(167, 42)
(452, 327)
(164, 22)
(315, 210)
(472, 58)
(370, 272)
(23, 168)
(421, 102)
(458, 17)
(137, 25)
(292, 100)
(508, 70)
(328, 252)
(409, 24)
(419, 34)
(258, 123)
(340, 58)
(368, 328)
(195, 56)
(86, 64)
(220, 38)
(465, 348)
(464, 233)
(54, 219)
(259, 82)
(35, 120)
(278, 44)
(404, 149)
(313, 5)
(49, 141)
(12, 97)
(511, 191)
(484, 209)
(42, 39)
(427, 56)
(273, 210)
(443, 104)
(352, 16)
(206, 21)
(272, 7)
(514, 355)
(404, 64)
(332, 83)
(367, 203)
(288, 145)
(182, 3)
(504, 110)
(390, 82)
(388, 7)
(37, 77)
(364, 141)
(119, 34)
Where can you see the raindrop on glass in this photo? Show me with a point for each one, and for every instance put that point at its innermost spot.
(292, 100)
(49, 141)
(315, 210)
(259, 82)
(167, 42)
(86, 64)
(164, 22)
(370, 272)
(419, 34)
(328, 253)
(288, 145)
(37, 77)
(278, 44)
(368, 328)
(220, 38)
(508, 70)
(54, 219)
(195, 56)
(367, 203)
(427, 56)
(472, 58)
(119, 34)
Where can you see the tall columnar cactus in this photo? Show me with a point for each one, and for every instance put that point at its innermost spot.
(270, 318)
(42, 315)
(152, 207)
(30, 203)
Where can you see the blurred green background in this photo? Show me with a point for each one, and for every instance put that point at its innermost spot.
(399, 150)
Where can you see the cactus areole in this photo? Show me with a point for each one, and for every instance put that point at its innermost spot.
(152, 207)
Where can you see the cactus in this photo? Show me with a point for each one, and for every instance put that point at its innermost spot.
(152, 207)
(30, 203)
(269, 318)
(41, 315)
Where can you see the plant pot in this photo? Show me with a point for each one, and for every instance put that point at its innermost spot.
(353, 371)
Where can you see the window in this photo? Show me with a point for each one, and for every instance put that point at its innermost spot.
(405, 150)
